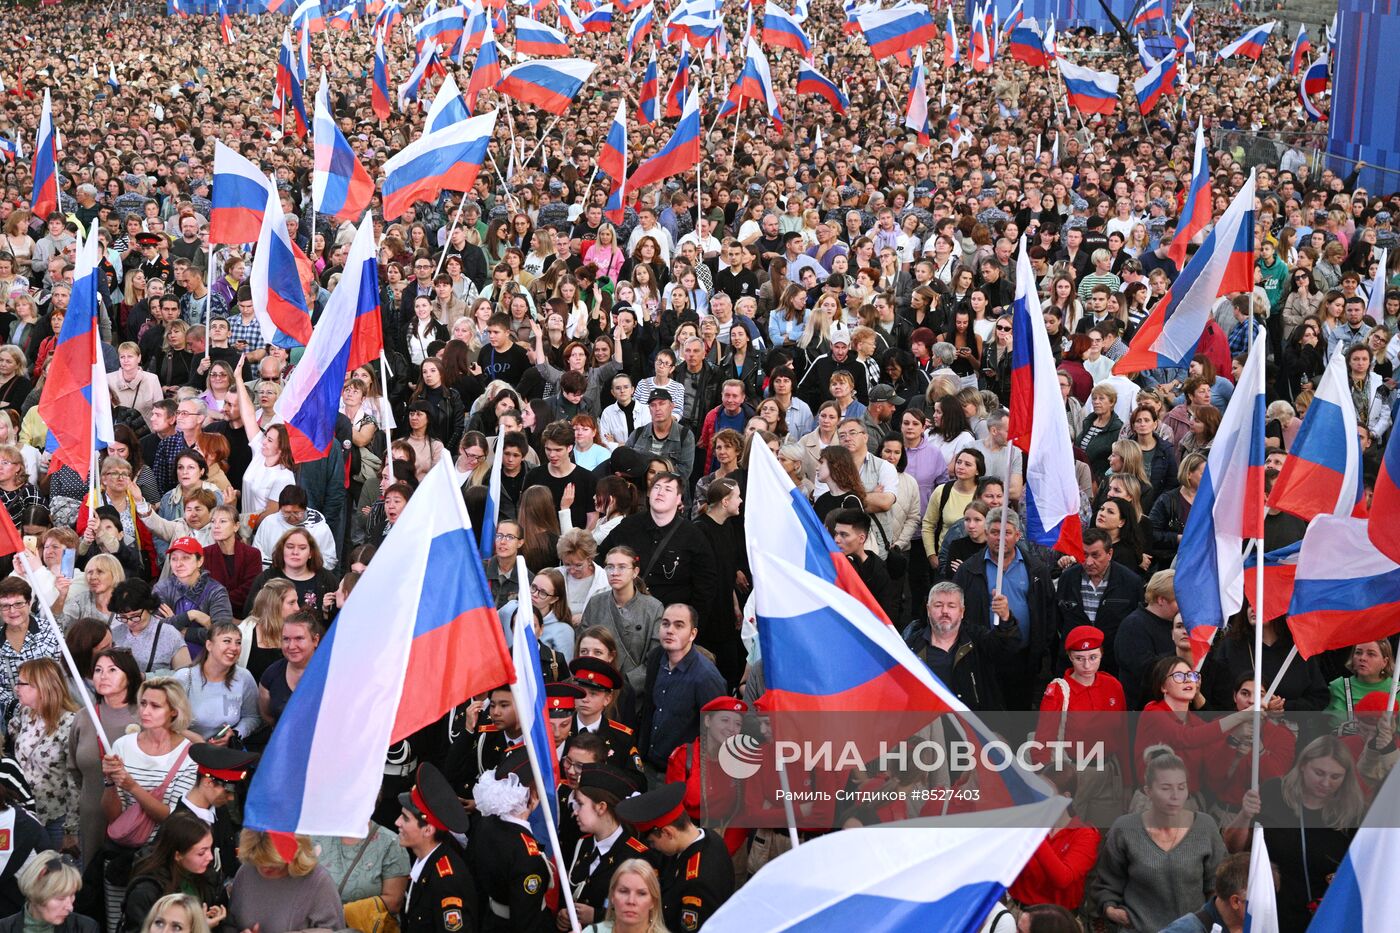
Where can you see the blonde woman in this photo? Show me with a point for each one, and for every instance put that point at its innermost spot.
(176, 913)
(90, 599)
(271, 893)
(49, 882)
(605, 253)
(41, 726)
(262, 629)
(634, 901)
(18, 242)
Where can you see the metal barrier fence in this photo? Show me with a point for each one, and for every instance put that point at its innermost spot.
(1288, 149)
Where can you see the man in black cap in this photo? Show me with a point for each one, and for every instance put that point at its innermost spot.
(153, 264)
(442, 894)
(220, 770)
(697, 875)
(475, 753)
(509, 865)
(599, 682)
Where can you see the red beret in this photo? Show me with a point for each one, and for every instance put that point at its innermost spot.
(1083, 638)
(725, 705)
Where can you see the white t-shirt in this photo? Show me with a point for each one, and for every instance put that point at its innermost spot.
(262, 484)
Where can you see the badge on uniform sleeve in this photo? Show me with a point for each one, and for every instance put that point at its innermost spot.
(690, 920)
(452, 920)
(532, 884)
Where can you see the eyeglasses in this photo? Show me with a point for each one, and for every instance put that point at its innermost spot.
(111, 474)
(540, 591)
(126, 618)
(13, 606)
(1186, 677)
(1003, 329)
(618, 568)
(505, 536)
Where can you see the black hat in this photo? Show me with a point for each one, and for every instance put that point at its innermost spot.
(223, 763)
(433, 798)
(626, 461)
(595, 673)
(660, 395)
(619, 782)
(516, 761)
(148, 239)
(560, 699)
(884, 393)
(654, 809)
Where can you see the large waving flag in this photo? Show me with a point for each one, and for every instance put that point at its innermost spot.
(1037, 425)
(916, 110)
(643, 22)
(1028, 45)
(781, 30)
(275, 282)
(1184, 35)
(443, 29)
(444, 160)
(310, 401)
(1261, 906)
(911, 877)
(477, 26)
(811, 81)
(647, 93)
(951, 53)
(1301, 47)
(1345, 591)
(1322, 474)
(1363, 896)
(1222, 266)
(1383, 529)
(1158, 83)
(680, 154)
(1145, 57)
(1149, 13)
(1229, 506)
(79, 419)
(1280, 572)
(239, 198)
(486, 74)
(387, 18)
(427, 66)
(1314, 81)
(612, 162)
(44, 199)
(675, 94)
(755, 82)
(1089, 91)
(289, 93)
(418, 637)
(548, 85)
(340, 186)
(535, 38)
(1251, 44)
(379, 78)
(898, 29)
(1196, 210)
(599, 19)
(789, 528)
(979, 46)
(309, 17)
(225, 24)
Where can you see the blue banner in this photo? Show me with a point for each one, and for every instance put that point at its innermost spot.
(1365, 120)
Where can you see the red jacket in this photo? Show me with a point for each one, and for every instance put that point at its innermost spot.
(247, 564)
(1057, 871)
(721, 799)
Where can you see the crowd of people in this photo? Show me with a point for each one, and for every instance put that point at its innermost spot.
(841, 294)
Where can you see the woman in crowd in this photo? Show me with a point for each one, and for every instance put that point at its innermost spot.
(227, 559)
(1100, 429)
(116, 681)
(588, 451)
(599, 791)
(822, 436)
(142, 628)
(177, 913)
(223, 696)
(614, 499)
(271, 893)
(631, 614)
(1119, 518)
(583, 578)
(1157, 455)
(301, 634)
(837, 471)
(728, 444)
(262, 627)
(947, 502)
(297, 559)
(93, 600)
(270, 469)
(179, 863)
(190, 599)
(1370, 669)
(634, 900)
(1158, 864)
(40, 735)
(712, 798)
(49, 882)
(1303, 687)
(548, 598)
(370, 873)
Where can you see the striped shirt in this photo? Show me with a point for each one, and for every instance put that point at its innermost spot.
(150, 771)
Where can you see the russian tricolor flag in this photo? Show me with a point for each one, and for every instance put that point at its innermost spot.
(755, 82)
(1184, 36)
(1346, 591)
(308, 16)
(445, 28)
(1301, 48)
(1322, 474)
(310, 401)
(680, 154)
(1363, 896)
(1313, 82)
(1384, 528)
(647, 94)
(379, 91)
(675, 94)
(1149, 12)
(343, 19)
(1222, 266)
(599, 19)
(44, 199)
(811, 81)
(239, 198)
(1280, 571)
(1037, 425)
(387, 19)
(1251, 44)
(225, 24)
(443, 160)
(1196, 209)
(1028, 45)
(419, 637)
(477, 25)
(289, 93)
(275, 282)
(781, 30)
(951, 53)
(424, 69)
(1158, 83)
(916, 111)
(1229, 505)
(1090, 91)
(898, 29)
(979, 45)
(340, 186)
(79, 419)
(528, 692)
(486, 74)
(640, 27)
(551, 86)
(612, 162)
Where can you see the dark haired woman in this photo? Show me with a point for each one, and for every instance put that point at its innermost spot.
(179, 863)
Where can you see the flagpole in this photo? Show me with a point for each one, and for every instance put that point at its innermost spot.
(384, 373)
(1259, 582)
(442, 258)
(208, 296)
(1005, 509)
(79, 682)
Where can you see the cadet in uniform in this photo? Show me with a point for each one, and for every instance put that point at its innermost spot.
(600, 682)
(697, 875)
(442, 895)
(608, 842)
(221, 770)
(476, 753)
(510, 867)
(153, 264)
(582, 750)
(559, 703)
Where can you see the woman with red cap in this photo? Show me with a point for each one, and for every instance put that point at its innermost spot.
(712, 798)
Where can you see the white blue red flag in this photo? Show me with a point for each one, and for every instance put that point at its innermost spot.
(811, 81)
(486, 74)
(444, 160)
(1159, 82)
(239, 198)
(538, 39)
(1251, 44)
(1196, 209)
(1261, 904)
(1385, 502)
(1314, 82)
(44, 199)
(898, 29)
(379, 77)
(1089, 91)
(1299, 53)
(642, 25)
(1322, 474)
(916, 110)
(340, 186)
(419, 636)
(275, 282)
(529, 694)
(680, 154)
(1363, 896)
(1346, 591)
(491, 514)
(781, 30)
(755, 82)
(549, 85)
(612, 162)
